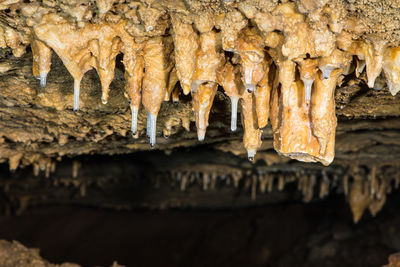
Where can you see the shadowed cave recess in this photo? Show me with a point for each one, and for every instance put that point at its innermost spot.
(199, 133)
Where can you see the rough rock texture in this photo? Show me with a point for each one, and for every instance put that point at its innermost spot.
(394, 260)
(15, 254)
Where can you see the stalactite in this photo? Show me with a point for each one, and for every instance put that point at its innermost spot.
(134, 66)
(76, 165)
(186, 45)
(41, 61)
(202, 103)
(206, 181)
(308, 72)
(358, 199)
(184, 181)
(360, 66)
(14, 161)
(236, 176)
(262, 95)
(250, 47)
(324, 186)
(57, 33)
(281, 183)
(289, 66)
(323, 118)
(229, 79)
(209, 59)
(291, 123)
(308, 191)
(154, 82)
(263, 181)
(372, 53)
(172, 91)
(105, 49)
(252, 133)
(391, 67)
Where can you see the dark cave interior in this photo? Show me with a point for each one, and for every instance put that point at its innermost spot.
(128, 209)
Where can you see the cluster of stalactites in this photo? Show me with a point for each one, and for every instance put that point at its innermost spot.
(363, 191)
(147, 65)
(368, 192)
(278, 68)
(210, 177)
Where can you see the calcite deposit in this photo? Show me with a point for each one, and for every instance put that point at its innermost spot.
(289, 57)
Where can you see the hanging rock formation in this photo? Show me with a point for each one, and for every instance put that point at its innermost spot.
(281, 61)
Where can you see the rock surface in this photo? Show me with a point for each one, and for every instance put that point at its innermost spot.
(15, 254)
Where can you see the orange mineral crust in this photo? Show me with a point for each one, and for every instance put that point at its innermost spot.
(209, 59)
(281, 61)
(323, 117)
(155, 80)
(250, 47)
(134, 67)
(186, 45)
(293, 135)
(252, 133)
(202, 103)
(262, 95)
(41, 60)
(229, 79)
(308, 71)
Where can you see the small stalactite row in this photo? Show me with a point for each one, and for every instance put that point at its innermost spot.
(363, 190)
(277, 69)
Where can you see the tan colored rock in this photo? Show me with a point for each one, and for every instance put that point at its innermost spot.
(262, 95)
(391, 67)
(229, 78)
(41, 60)
(252, 133)
(134, 66)
(292, 127)
(202, 103)
(323, 116)
(308, 72)
(394, 260)
(250, 47)
(186, 45)
(154, 85)
(209, 58)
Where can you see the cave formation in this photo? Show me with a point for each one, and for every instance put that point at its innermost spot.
(199, 104)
